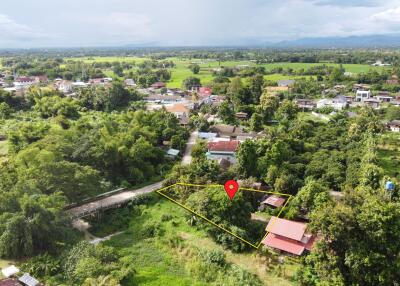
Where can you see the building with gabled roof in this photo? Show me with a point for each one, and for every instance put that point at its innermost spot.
(288, 236)
(223, 150)
(274, 201)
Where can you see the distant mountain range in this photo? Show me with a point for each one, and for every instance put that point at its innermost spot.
(368, 41)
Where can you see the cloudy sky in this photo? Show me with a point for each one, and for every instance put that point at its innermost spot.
(76, 23)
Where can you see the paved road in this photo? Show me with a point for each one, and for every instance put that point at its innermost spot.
(123, 197)
(187, 155)
(86, 209)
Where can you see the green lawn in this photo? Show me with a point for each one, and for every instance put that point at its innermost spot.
(157, 263)
(91, 60)
(389, 154)
(3, 148)
(181, 71)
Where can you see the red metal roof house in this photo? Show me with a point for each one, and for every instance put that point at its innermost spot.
(288, 236)
(158, 85)
(223, 146)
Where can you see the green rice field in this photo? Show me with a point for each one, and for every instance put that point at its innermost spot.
(181, 71)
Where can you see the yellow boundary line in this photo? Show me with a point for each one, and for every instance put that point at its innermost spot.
(159, 191)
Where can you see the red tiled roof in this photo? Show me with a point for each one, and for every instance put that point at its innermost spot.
(25, 79)
(224, 146)
(274, 201)
(205, 91)
(286, 228)
(158, 85)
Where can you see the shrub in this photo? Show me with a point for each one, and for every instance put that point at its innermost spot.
(166, 217)
(214, 256)
(152, 229)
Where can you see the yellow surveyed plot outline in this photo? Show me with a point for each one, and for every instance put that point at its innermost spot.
(256, 246)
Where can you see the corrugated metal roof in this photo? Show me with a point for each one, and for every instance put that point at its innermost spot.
(28, 280)
(286, 228)
(224, 146)
(284, 244)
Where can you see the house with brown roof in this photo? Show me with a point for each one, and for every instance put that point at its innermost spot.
(288, 236)
(306, 104)
(273, 201)
(158, 85)
(181, 112)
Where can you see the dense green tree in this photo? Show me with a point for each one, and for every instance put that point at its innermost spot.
(360, 242)
(247, 158)
(190, 82)
(195, 68)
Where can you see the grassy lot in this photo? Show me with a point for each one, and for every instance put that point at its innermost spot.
(90, 60)
(181, 71)
(159, 263)
(3, 148)
(389, 154)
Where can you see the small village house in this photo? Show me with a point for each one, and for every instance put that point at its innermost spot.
(288, 236)
(223, 150)
(338, 103)
(158, 85)
(24, 82)
(362, 95)
(205, 91)
(384, 96)
(273, 201)
(209, 136)
(305, 104)
(394, 126)
(372, 102)
(181, 112)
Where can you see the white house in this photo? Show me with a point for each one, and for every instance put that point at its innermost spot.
(362, 95)
(394, 125)
(338, 103)
(65, 86)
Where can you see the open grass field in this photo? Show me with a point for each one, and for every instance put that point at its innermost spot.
(3, 148)
(389, 154)
(181, 71)
(159, 263)
(91, 60)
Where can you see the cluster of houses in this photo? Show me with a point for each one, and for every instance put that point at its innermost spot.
(12, 278)
(285, 236)
(363, 97)
(223, 141)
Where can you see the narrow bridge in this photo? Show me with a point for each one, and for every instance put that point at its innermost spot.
(111, 201)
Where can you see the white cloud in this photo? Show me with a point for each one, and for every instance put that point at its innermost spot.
(190, 22)
(11, 30)
(390, 15)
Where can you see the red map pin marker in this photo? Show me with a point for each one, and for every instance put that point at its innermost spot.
(231, 187)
